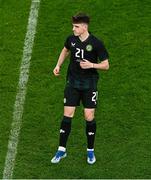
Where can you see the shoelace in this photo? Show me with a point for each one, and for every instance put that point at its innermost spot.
(90, 155)
(59, 154)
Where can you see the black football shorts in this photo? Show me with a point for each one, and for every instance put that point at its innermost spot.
(73, 97)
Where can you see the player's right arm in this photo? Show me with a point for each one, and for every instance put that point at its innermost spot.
(64, 53)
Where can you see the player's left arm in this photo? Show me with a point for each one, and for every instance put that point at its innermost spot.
(103, 65)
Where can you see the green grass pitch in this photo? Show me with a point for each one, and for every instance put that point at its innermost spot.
(123, 140)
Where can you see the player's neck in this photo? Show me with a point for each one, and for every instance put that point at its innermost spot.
(84, 36)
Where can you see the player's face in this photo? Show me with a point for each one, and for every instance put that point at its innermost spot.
(79, 29)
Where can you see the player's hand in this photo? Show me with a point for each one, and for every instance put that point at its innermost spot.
(56, 71)
(85, 64)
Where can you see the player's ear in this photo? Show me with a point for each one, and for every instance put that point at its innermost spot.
(85, 25)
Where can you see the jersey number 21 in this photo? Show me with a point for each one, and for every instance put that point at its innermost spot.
(79, 53)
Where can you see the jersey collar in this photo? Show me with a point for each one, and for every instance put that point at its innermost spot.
(85, 39)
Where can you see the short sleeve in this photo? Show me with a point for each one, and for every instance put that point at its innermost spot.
(67, 43)
(101, 51)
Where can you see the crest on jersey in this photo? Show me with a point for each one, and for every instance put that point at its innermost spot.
(89, 47)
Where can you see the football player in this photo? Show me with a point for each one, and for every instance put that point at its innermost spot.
(87, 55)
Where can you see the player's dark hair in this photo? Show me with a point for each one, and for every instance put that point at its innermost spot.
(80, 18)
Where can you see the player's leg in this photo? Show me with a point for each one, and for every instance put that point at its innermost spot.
(90, 127)
(65, 127)
(71, 100)
(90, 102)
(90, 133)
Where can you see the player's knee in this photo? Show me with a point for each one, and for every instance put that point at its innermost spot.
(69, 113)
(89, 116)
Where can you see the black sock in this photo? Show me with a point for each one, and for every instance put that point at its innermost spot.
(90, 132)
(65, 129)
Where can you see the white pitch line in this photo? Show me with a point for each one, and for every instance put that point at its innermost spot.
(21, 91)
